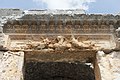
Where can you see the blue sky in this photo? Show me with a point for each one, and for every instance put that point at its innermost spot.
(100, 6)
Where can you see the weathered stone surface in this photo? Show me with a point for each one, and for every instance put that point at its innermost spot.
(8, 12)
(98, 28)
(11, 65)
(1, 55)
(70, 12)
(109, 65)
(118, 32)
(118, 44)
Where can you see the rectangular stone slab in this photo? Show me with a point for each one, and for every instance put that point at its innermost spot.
(59, 56)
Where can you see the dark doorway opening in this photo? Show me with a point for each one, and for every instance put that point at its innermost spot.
(58, 71)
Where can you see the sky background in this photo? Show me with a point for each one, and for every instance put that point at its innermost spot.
(91, 6)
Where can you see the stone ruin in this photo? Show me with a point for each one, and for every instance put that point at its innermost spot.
(59, 45)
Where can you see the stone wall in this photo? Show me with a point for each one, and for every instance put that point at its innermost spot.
(109, 65)
(11, 65)
(8, 12)
(70, 12)
(5, 15)
(2, 42)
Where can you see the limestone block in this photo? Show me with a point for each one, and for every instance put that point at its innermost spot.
(109, 65)
(11, 66)
(118, 44)
(2, 39)
(1, 54)
(1, 30)
(118, 32)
